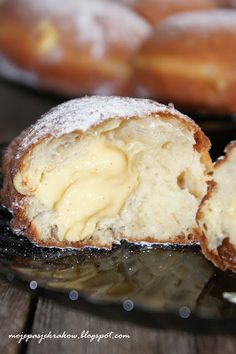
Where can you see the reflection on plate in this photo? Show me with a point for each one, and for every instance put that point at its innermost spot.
(167, 287)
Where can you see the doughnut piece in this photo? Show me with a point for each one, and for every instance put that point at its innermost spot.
(190, 60)
(74, 47)
(156, 10)
(96, 170)
(217, 214)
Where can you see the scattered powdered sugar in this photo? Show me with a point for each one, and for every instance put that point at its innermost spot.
(164, 245)
(82, 113)
(95, 22)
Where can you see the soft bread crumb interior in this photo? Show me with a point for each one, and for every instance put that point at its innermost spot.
(219, 211)
(132, 179)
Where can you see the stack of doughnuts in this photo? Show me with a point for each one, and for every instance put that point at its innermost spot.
(182, 52)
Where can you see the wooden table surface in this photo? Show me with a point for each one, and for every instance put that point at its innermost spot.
(22, 312)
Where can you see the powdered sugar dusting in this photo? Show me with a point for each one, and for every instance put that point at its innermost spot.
(201, 21)
(83, 113)
(97, 23)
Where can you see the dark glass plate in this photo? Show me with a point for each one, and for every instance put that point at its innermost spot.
(160, 287)
(166, 287)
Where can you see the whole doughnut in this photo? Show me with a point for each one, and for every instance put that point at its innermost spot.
(190, 60)
(75, 46)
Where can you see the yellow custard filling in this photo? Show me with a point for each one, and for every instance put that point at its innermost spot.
(87, 185)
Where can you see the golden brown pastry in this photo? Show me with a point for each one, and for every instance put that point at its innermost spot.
(73, 47)
(217, 214)
(156, 10)
(189, 60)
(96, 170)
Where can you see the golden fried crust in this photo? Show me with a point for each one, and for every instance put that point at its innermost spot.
(13, 161)
(189, 59)
(156, 10)
(224, 256)
(52, 40)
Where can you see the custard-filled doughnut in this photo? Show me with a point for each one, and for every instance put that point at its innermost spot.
(96, 170)
(74, 46)
(217, 214)
(189, 60)
(156, 10)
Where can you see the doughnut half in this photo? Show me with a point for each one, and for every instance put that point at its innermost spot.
(189, 60)
(74, 47)
(217, 214)
(96, 170)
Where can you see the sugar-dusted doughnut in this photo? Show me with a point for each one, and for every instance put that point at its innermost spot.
(96, 170)
(74, 47)
(189, 60)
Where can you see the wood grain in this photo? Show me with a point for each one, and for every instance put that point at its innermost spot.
(14, 308)
(57, 319)
(216, 344)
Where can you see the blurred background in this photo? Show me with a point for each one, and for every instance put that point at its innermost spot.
(181, 52)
